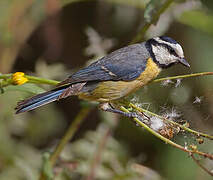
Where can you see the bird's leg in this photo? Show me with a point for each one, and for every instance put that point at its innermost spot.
(125, 102)
(143, 114)
(109, 108)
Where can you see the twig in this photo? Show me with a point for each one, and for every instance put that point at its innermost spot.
(183, 76)
(200, 165)
(67, 137)
(33, 79)
(172, 122)
(38, 80)
(5, 76)
(166, 140)
(154, 19)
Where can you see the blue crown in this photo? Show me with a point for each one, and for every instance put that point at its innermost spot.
(168, 39)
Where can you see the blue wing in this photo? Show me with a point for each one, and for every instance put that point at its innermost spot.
(124, 64)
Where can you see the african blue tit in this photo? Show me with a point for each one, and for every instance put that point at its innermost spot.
(114, 76)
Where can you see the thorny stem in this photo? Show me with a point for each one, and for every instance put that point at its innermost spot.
(166, 140)
(172, 122)
(154, 19)
(67, 137)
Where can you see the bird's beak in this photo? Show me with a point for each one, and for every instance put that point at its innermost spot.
(184, 62)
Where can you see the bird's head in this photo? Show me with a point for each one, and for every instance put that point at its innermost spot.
(165, 51)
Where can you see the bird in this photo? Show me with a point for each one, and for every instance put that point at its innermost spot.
(115, 75)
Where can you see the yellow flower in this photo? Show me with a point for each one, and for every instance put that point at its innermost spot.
(18, 78)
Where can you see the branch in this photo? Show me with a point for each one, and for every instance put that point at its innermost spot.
(183, 76)
(166, 140)
(172, 122)
(37, 80)
(16, 78)
(33, 79)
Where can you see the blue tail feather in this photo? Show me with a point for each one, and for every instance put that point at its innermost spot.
(39, 100)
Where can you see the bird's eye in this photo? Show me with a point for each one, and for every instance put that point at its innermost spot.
(172, 51)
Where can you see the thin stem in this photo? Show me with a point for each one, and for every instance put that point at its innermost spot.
(201, 166)
(183, 76)
(172, 122)
(167, 141)
(5, 83)
(154, 19)
(38, 80)
(5, 76)
(34, 79)
(68, 136)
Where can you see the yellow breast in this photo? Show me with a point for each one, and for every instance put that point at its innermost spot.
(151, 72)
(112, 90)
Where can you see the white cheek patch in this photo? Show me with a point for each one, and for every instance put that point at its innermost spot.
(162, 55)
(178, 49)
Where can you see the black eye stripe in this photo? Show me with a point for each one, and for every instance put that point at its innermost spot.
(172, 51)
(169, 48)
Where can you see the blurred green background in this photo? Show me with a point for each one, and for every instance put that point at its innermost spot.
(53, 39)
